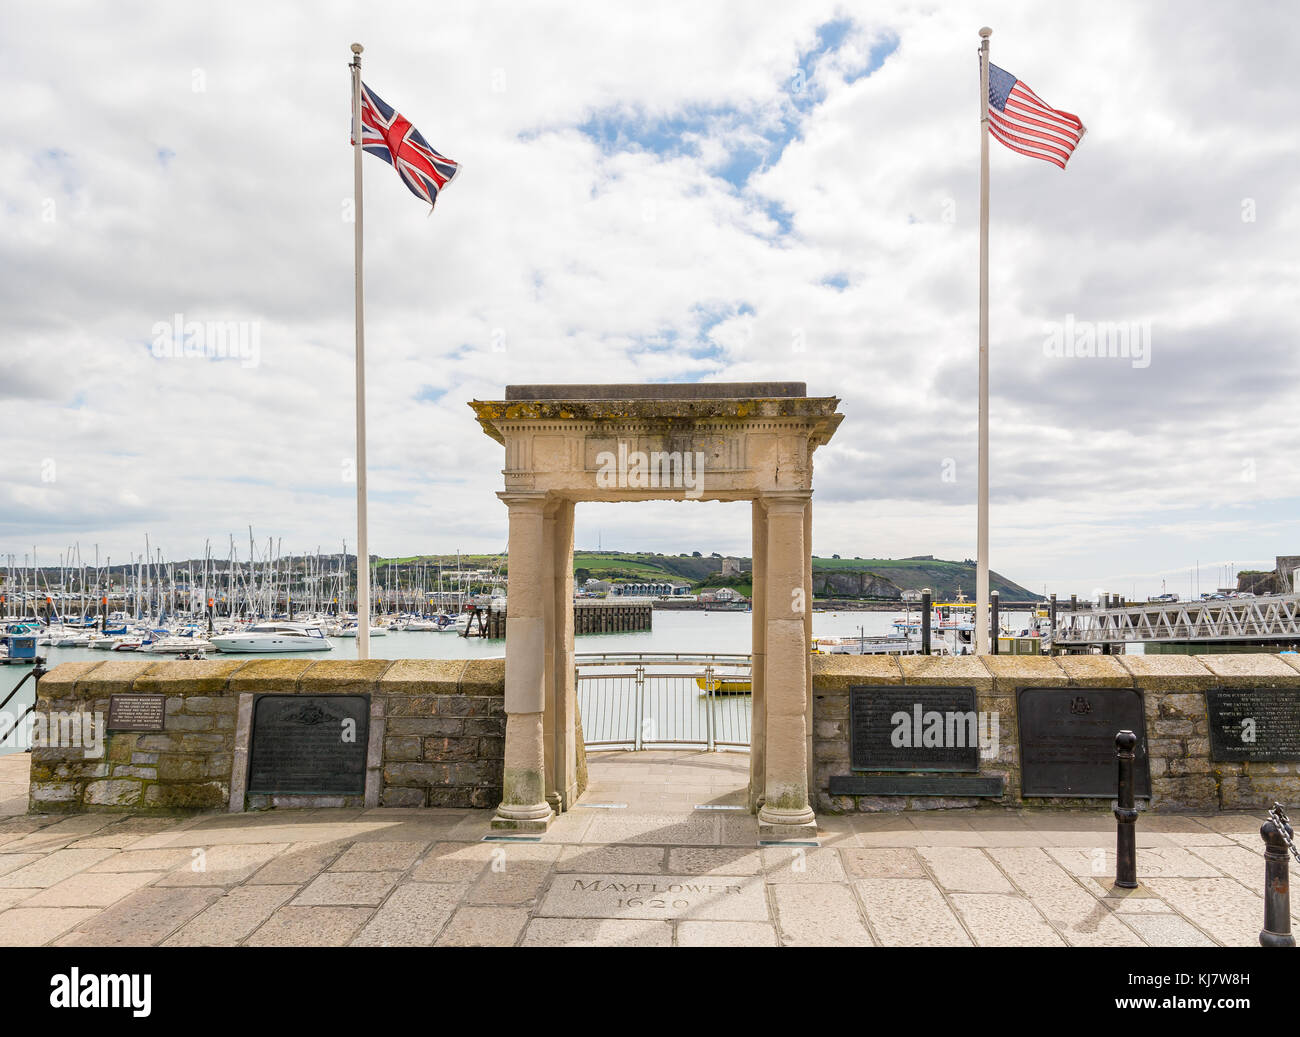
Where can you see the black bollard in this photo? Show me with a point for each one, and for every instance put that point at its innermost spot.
(1125, 814)
(925, 621)
(1277, 893)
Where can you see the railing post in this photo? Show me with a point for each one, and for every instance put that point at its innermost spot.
(709, 700)
(925, 621)
(1125, 814)
(640, 706)
(993, 623)
(1277, 892)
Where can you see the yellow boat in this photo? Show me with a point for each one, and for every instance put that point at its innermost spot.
(726, 685)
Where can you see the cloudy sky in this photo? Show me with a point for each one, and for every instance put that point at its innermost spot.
(677, 191)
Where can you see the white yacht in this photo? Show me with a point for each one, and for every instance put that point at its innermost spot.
(274, 637)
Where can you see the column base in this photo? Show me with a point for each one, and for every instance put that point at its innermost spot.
(781, 824)
(512, 818)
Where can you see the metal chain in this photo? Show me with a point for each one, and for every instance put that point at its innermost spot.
(1278, 816)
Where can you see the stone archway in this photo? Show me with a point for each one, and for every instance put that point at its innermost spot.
(725, 442)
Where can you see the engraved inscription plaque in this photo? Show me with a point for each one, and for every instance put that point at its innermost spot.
(136, 712)
(1067, 741)
(1261, 724)
(913, 728)
(309, 744)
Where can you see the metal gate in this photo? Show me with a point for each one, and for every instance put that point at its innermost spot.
(684, 700)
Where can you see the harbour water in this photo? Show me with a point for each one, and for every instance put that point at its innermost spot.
(673, 631)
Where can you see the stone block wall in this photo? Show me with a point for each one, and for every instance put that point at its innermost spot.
(437, 733)
(1173, 687)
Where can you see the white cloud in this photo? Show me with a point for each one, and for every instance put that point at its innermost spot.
(226, 203)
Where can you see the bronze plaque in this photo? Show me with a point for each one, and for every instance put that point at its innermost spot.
(1067, 741)
(899, 727)
(309, 745)
(1261, 724)
(136, 712)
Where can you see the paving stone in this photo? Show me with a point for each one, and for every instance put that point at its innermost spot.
(726, 934)
(127, 832)
(699, 860)
(631, 859)
(380, 856)
(310, 927)
(883, 862)
(1244, 865)
(1003, 920)
(92, 890)
(343, 888)
(55, 867)
(1082, 918)
(719, 897)
(802, 864)
(145, 860)
(1221, 907)
(453, 862)
(13, 861)
(34, 927)
(299, 863)
(909, 912)
(231, 918)
(10, 897)
(699, 828)
(1167, 930)
(412, 916)
(224, 865)
(515, 881)
(818, 915)
(596, 932)
(484, 927)
(1155, 862)
(143, 919)
(964, 869)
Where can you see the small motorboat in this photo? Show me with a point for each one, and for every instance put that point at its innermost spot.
(726, 685)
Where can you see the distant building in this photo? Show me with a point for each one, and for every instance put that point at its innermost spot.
(649, 590)
(911, 595)
(731, 567)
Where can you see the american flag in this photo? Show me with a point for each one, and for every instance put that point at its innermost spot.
(1024, 122)
(391, 136)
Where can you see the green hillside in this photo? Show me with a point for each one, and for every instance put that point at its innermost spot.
(832, 577)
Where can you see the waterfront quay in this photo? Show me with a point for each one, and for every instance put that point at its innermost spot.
(659, 851)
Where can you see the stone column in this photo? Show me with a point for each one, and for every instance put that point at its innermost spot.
(758, 642)
(561, 692)
(785, 809)
(523, 803)
(808, 635)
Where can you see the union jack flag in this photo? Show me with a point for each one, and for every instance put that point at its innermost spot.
(1024, 122)
(390, 135)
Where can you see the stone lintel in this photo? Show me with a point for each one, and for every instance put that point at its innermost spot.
(658, 391)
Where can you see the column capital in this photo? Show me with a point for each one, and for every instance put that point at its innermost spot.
(524, 500)
(785, 500)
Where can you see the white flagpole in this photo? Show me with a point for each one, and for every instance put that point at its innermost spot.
(982, 524)
(363, 552)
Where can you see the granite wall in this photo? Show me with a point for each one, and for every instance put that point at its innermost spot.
(1183, 777)
(436, 733)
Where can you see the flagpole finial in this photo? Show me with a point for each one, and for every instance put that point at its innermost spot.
(357, 48)
(986, 32)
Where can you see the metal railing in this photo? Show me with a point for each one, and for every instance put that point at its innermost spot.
(34, 675)
(634, 700)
